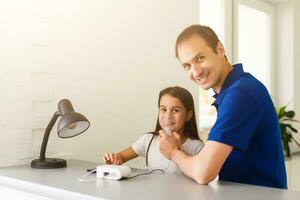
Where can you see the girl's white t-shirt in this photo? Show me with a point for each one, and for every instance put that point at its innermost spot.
(156, 160)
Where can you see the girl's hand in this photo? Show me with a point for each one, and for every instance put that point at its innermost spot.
(169, 144)
(112, 159)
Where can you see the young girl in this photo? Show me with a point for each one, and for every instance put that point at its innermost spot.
(176, 114)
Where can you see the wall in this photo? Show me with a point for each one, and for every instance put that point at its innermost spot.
(110, 58)
(15, 86)
(296, 79)
(287, 32)
(284, 21)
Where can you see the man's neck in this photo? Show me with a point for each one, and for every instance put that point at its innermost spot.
(226, 70)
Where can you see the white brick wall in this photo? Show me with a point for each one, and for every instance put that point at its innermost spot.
(15, 118)
(26, 83)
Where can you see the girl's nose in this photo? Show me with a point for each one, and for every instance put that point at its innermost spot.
(169, 114)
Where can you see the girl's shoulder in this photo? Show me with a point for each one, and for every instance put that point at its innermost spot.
(192, 146)
(194, 141)
(148, 136)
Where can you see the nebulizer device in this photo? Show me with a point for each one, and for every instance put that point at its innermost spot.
(168, 129)
(113, 172)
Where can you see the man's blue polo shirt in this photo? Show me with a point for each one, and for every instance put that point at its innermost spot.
(247, 121)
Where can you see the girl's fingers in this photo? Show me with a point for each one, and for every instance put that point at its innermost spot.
(176, 135)
(115, 159)
(161, 134)
(107, 155)
(108, 158)
(111, 157)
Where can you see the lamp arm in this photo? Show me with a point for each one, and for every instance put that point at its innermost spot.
(47, 133)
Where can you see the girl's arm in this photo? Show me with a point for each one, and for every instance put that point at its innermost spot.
(120, 157)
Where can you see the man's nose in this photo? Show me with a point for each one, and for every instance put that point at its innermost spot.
(196, 71)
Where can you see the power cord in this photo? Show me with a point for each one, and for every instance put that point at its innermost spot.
(144, 173)
(84, 179)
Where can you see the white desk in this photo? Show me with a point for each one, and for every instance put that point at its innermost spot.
(293, 172)
(63, 184)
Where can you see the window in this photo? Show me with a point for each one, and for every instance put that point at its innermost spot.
(245, 29)
(253, 38)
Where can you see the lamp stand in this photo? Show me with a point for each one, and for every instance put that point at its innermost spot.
(48, 163)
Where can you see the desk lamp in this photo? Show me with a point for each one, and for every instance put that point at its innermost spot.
(70, 124)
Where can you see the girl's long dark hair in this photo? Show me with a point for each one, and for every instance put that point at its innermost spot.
(190, 128)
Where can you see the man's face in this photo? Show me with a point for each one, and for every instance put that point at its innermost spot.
(202, 65)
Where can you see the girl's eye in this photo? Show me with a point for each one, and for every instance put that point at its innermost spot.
(186, 67)
(176, 110)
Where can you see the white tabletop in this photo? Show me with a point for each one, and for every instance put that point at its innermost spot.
(63, 184)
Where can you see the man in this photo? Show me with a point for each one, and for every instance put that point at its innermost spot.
(244, 144)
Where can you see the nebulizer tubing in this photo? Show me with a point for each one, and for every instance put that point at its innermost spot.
(168, 130)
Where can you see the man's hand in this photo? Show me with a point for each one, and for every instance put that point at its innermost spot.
(169, 144)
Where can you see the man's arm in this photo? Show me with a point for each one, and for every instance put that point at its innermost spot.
(203, 167)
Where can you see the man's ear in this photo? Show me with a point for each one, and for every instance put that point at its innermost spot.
(220, 49)
(189, 115)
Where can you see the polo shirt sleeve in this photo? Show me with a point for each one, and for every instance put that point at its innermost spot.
(238, 116)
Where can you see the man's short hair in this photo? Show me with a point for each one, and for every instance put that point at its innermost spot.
(209, 36)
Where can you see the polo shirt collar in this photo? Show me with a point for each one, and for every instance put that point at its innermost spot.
(233, 75)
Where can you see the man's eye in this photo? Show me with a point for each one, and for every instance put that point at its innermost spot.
(200, 58)
(162, 110)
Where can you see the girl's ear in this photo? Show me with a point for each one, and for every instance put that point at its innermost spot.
(189, 115)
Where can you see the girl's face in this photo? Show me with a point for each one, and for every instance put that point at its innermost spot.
(172, 114)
